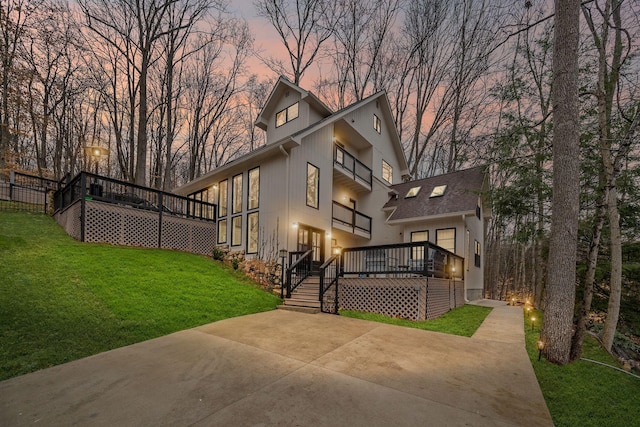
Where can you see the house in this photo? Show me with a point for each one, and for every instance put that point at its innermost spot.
(328, 180)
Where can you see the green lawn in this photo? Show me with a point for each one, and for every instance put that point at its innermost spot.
(460, 321)
(583, 393)
(61, 300)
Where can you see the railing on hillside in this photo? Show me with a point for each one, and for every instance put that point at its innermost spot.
(329, 273)
(353, 166)
(351, 218)
(25, 192)
(88, 186)
(300, 269)
(403, 259)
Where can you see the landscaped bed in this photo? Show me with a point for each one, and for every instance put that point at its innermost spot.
(63, 300)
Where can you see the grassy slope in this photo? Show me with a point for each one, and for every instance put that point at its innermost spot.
(461, 321)
(583, 393)
(61, 300)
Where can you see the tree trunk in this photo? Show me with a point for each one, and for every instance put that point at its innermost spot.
(560, 295)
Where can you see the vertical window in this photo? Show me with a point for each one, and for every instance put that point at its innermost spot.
(286, 115)
(446, 238)
(477, 253)
(478, 211)
(467, 246)
(252, 233)
(253, 198)
(236, 205)
(222, 231)
(313, 186)
(377, 123)
(417, 252)
(236, 231)
(387, 172)
(222, 199)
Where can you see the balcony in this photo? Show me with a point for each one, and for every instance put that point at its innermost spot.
(349, 171)
(350, 220)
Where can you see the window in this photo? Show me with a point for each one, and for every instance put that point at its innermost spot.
(377, 124)
(286, 115)
(467, 246)
(413, 192)
(446, 238)
(387, 172)
(222, 199)
(313, 186)
(222, 231)
(438, 191)
(236, 205)
(252, 233)
(236, 231)
(417, 252)
(253, 198)
(478, 212)
(477, 253)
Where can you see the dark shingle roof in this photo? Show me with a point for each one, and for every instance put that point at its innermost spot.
(461, 195)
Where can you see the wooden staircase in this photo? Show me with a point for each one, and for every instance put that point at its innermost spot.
(305, 297)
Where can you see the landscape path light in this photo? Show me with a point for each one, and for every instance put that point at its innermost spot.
(533, 323)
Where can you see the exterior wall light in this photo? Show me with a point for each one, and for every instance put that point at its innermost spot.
(294, 225)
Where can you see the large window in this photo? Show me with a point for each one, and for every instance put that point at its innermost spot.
(253, 196)
(387, 172)
(286, 115)
(222, 199)
(252, 233)
(446, 238)
(313, 186)
(236, 205)
(236, 231)
(222, 231)
(477, 253)
(417, 252)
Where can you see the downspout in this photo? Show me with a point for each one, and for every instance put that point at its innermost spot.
(286, 192)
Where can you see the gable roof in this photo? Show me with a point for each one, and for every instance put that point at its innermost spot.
(279, 89)
(460, 196)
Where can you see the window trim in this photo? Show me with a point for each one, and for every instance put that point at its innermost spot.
(477, 254)
(455, 232)
(222, 235)
(233, 235)
(441, 190)
(257, 206)
(249, 231)
(225, 205)
(415, 250)
(413, 192)
(236, 192)
(317, 198)
(286, 112)
(390, 170)
(377, 123)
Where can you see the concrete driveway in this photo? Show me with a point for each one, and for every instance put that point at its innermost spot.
(292, 369)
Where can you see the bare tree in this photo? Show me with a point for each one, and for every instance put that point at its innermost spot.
(303, 26)
(561, 275)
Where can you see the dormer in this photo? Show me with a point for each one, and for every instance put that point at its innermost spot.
(288, 110)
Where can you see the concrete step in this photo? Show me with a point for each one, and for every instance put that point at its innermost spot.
(308, 310)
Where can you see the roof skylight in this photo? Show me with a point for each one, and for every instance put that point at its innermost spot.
(413, 192)
(438, 191)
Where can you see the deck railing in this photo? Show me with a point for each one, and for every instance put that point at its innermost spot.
(351, 218)
(353, 166)
(403, 259)
(300, 269)
(329, 273)
(25, 192)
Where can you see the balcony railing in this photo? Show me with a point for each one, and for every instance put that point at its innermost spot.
(357, 222)
(352, 166)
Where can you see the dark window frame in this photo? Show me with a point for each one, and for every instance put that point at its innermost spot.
(249, 216)
(257, 206)
(222, 241)
(286, 112)
(377, 123)
(317, 201)
(224, 205)
(234, 191)
(455, 232)
(477, 254)
(233, 228)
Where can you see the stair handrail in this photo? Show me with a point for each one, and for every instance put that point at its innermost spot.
(301, 268)
(329, 275)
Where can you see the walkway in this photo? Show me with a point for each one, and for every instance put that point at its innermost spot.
(293, 369)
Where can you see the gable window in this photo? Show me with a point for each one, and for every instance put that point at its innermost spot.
(478, 212)
(417, 252)
(222, 231)
(446, 239)
(253, 196)
(252, 233)
(387, 172)
(236, 205)
(313, 186)
(236, 231)
(377, 124)
(222, 199)
(477, 253)
(438, 191)
(286, 115)
(413, 192)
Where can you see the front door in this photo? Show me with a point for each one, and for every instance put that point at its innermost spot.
(312, 238)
